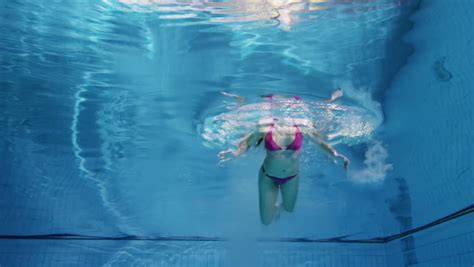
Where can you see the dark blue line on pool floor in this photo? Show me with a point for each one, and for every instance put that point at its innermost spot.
(376, 240)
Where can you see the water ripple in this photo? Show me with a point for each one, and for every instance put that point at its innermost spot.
(107, 95)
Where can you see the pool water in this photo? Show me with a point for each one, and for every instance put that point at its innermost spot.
(113, 112)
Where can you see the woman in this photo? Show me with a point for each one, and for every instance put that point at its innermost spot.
(283, 140)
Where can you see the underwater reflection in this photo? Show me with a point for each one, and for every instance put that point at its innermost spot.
(285, 12)
(336, 122)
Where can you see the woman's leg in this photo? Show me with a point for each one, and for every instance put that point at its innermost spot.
(268, 192)
(289, 192)
(335, 95)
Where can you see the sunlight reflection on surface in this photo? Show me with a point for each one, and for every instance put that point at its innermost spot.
(284, 12)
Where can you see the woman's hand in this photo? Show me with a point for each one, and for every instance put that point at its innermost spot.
(225, 155)
(328, 148)
(243, 146)
(345, 161)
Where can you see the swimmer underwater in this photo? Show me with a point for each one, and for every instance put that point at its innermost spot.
(283, 140)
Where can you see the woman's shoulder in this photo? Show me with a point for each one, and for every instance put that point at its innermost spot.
(264, 125)
(263, 129)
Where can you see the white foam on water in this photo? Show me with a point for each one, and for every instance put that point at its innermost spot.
(363, 97)
(376, 166)
(340, 123)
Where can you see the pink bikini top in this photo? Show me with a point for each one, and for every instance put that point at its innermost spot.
(295, 145)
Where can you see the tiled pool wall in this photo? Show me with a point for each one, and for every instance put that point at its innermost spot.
(449, 244)
(432, 95)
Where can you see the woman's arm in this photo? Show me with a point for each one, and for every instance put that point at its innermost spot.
(317, 138)
(245, 143)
